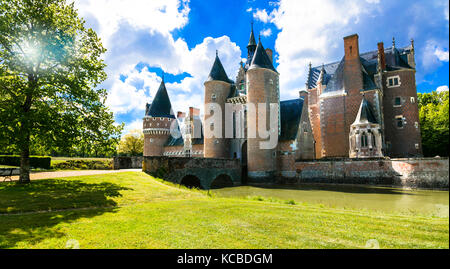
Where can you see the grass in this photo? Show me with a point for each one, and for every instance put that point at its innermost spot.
(7, 166)
(134, 210)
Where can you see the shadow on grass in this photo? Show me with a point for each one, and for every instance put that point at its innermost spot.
(334, 187)
(18, 202)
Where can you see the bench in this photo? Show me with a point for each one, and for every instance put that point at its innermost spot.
(6, 173)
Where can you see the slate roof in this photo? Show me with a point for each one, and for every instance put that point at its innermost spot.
(161, 106)
(251, 41)
(396, 58)
(365, 113)
(290, 113)
(261, 60)
(218, 72)
(233, 92)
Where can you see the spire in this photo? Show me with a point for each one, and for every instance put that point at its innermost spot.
(365, 114)
(308, 79)
(412, 44)
(261, 60)
(161, 106)
(252, 41)
(322, 75)
(393, 43)
(217, 71)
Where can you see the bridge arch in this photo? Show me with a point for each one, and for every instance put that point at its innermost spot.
(222, 181)
(191, 181)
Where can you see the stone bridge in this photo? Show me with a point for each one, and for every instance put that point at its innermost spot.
(204, 173)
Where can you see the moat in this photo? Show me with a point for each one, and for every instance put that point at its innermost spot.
(389, 200)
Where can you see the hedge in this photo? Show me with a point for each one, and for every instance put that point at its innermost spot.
(35, 161)
(84, 164)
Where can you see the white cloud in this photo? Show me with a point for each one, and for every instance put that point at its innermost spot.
(136, 124)
(161, 15)
(441, 54)
(138, 31)
(262, 15)
(249, 9)
(443, 88)
(433, 54)
(308, 33)
(266, 32)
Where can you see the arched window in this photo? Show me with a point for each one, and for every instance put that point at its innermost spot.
(363, 140)
(374, 144)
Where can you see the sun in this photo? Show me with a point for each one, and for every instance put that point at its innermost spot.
(30, 51)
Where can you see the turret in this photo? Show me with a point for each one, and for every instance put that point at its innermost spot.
(157, 121)
(217, 89)
(262, 88)
(251, 48)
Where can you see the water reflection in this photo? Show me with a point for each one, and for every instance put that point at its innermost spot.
(423, 202)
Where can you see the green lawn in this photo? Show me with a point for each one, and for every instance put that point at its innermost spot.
(133, 210)
(7, 166)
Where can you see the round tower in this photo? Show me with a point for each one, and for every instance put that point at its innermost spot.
(157, 122)
(262, 88)
(217, 89)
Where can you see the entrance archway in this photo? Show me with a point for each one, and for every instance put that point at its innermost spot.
(222, 181)
(244, 163)
(191, 181)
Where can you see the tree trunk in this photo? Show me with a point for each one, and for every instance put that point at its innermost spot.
(25, 162)
(25, 133)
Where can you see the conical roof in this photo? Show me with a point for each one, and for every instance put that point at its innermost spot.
(261, 60)
(218, 72)
(365, 114)
(252, 41)
(161, 106)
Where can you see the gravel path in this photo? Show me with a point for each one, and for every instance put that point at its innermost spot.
(56, 174)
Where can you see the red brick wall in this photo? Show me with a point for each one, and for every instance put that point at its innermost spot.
(153, 143)
(211, 148)
(262, 89)
(418, 172)
(402, 141)
(314, 116)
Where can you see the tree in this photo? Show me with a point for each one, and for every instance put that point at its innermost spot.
(132, 144)
(50, 66)
(434, 122)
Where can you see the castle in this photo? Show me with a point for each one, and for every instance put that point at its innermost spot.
(363, 106)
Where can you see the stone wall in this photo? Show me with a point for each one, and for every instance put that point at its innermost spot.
(125, 162)
(206, 170)
(413, 173)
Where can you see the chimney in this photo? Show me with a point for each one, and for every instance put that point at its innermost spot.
(304, 94)
(194, 111)
(269, 53)
(353, 75)
(381, 57)
(181, 115)
(196, 126)
(351, 46)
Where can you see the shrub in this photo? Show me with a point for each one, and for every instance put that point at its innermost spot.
(84, 165)
(35, 161)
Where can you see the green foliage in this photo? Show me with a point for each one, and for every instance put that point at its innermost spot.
(50, 67)
(35, 161)
(84, 165)
(434, 123)
(132, 144)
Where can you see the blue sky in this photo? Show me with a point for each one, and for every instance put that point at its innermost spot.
(179, 37)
